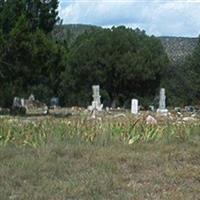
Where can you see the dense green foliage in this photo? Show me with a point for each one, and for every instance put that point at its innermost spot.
(30, 61)
(182, 81)
(40, 14)
(126, 63)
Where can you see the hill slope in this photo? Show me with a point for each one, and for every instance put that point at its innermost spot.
(178, 48)
(71, 31)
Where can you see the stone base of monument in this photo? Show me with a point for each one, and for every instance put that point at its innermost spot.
(95, 106)
(18, 111)
(162, 110)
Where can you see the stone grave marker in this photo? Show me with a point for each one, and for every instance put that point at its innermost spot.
(134, 106)
(162, 102)
(96, 103)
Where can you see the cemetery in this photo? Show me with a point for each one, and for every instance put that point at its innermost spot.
(95, 120)
(99, 152)
(99, 100)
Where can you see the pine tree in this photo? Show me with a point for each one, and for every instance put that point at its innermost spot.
(30, 60)
(42, 14)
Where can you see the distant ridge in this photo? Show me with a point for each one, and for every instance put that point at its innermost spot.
(177, 48)
(70, 32)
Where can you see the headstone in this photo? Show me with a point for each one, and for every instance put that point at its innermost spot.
(134, 106)
(189, 109)
(96, 103)
(152, 108)
(16, 102)
(31, 97)
(177, 109)
(162, 102)
(17, 107)
(96, 94)
(22, 102)
(54, 102)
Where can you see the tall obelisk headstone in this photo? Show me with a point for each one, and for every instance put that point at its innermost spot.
(96, 94)
(162, 102)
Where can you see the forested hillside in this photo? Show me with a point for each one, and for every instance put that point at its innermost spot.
(177, 48)
(180, 78)
(69, 33)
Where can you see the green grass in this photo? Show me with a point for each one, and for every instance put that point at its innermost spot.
(59, 159)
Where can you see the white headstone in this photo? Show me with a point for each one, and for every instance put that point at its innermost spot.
(31, 97)
(16, 102)
(22, 102)
(162, 102)
(96, 103)
(96, 94)
(134, 106)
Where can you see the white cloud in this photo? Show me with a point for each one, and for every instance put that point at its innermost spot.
(159, 17)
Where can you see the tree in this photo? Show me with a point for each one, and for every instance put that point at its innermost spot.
(126, 63)
(10, 12)
(30, 60)
(42, 14)
(1, 5)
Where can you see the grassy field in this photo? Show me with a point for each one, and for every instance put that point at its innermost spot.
(58, 159)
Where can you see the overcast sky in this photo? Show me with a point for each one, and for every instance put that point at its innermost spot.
(158, 17)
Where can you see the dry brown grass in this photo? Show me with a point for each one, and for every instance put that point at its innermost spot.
(85, 171)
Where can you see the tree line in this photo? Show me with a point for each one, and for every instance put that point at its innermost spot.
(126, 63)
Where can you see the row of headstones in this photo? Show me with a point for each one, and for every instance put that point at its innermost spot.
(162, 103)
(21, 102)
(96, 103)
